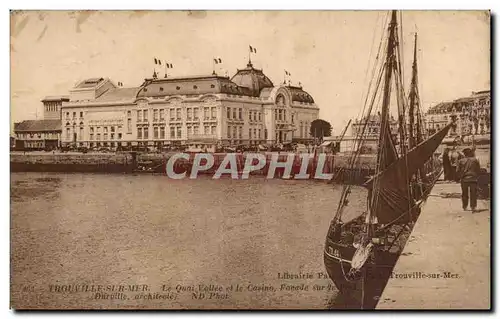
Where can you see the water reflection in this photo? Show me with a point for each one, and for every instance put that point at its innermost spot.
(28, 188)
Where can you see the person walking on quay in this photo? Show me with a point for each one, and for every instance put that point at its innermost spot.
(455, 156)
(446, 164)
(468, 173)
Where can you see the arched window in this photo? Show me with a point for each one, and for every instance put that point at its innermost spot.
(280, 101)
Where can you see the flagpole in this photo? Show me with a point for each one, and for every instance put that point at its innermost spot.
(154, 68)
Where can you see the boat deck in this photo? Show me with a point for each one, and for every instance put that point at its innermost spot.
(447, 257)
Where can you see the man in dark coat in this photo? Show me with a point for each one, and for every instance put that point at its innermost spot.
(446, 164)
(468, 170)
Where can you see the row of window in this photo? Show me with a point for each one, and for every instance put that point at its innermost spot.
(105, 129)
(235, 113)
(254, 116)
(159, 132)
(236, 132)
(280, 114)
(463, 126)
(368, 130)
(34, 144)
(462, 107)
(114, 133)
(483, 102)
(142, 132)
(74, 115)
(192, 113)
(68, 134)
(112, 136)
(195, 129)
(113, 144)
(462, 119)
(99, 144)
(256, 134)
(50, 106)
(178, 87)
(23, 136)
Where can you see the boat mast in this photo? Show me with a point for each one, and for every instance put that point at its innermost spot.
(384, 125)
(419, 127)
(413, 97)
(384, 116)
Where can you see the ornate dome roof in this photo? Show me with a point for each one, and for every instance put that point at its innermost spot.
(253, 79)
(299, 95)
(190, 85)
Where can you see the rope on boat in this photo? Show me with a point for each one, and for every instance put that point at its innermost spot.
(350, 274)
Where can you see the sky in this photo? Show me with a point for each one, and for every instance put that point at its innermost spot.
(328, 52)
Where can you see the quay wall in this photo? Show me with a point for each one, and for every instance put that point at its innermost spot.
(155, 163)
(61, 162)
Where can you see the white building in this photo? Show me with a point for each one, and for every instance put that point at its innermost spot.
(191, 110)
(472, 115)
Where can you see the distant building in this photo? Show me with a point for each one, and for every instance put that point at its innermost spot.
(349, 144)
(45, 133)
(190, 110)
(38, 134)
(369, 128)
(472, 115)
(52, 107)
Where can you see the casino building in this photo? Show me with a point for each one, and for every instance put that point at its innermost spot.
(196, 111)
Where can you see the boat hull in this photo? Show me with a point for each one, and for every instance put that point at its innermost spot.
(365, 288)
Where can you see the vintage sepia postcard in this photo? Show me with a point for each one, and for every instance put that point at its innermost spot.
(250, 160)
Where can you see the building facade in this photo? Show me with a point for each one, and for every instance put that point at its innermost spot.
(193, 111)
(472, 115)
(52, 107)
(37, 134)
(45, 133)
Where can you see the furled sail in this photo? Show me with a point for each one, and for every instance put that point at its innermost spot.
(390, 188)
(388, 152)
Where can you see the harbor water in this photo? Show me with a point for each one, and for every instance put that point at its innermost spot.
(245, 244)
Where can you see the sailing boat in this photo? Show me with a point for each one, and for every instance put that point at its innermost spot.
(361, 253)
